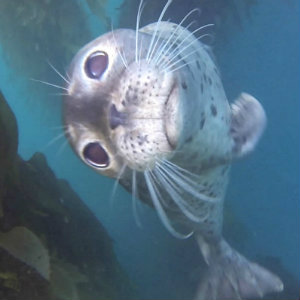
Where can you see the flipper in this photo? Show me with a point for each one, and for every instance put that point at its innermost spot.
(247, 124)
(231, 276)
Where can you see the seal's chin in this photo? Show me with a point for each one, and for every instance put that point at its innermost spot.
(171, 117)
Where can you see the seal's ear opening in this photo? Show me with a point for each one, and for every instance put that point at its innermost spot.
(96, 64)
(95, 155)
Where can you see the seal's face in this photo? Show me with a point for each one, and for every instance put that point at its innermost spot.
(120, 110)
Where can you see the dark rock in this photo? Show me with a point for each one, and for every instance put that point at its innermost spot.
(82, 261)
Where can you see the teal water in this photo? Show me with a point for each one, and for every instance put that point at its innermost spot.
(261, 58)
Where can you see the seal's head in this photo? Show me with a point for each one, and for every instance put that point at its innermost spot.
(121, 107)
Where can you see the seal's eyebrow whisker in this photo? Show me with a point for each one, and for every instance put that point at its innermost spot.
(154, 36)
(170, 43)
(186, 42)
(169, 67)
(137, 28)
(156, 43)
(58, 73)
(50, 84)
(123, 57)
(134, 198)
(161, 50)
(140, 54)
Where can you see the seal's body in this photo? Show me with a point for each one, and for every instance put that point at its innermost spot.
(148, 107)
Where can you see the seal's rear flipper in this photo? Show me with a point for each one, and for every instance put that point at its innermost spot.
(247, 124)
(232, 276)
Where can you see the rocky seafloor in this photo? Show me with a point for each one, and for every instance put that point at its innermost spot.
(51, 245)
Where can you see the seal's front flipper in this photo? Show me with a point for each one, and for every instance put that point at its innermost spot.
(247, 124)
(231, 276)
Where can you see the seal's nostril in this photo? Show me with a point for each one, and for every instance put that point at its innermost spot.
(95, 155)
(116, 118)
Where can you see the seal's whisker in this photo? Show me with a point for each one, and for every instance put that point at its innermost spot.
(164, 45)
(184, 42)
(181, 59)
(50, 84)
(123, 58)
(170, 44)
(154, 50)
(134, 197)
(140, 54)
(157, 26)
(181, 66)
(156, 196)
(190, 186)
(173, 47)
(185, 171)
(116, 183)
(174, 192)
(56, 138)
(137, 28)
(58, 94)
(62, 147)
(58, 73)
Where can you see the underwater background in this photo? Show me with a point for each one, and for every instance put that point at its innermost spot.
(257, 46)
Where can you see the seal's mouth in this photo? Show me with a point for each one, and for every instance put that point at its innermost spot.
(171, 115)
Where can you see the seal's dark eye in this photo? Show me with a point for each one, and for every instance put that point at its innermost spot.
(95, 155)
(96, 64)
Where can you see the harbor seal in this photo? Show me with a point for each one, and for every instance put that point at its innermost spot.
(147, 107)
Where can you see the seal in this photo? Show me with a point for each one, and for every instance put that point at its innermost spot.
(147, 107)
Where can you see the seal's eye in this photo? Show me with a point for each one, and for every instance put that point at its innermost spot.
(96, 64)
(95, 155)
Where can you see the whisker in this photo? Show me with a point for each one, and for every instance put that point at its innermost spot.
(174, 193)
(180, 67)
(155, 195)
(160, 58)
(55, 139)
(157, 26)
(58, 73)
(161, 51)
(137, 28)
(189, 36)
(58, 94)
(140, 54)
(181, 59)
(62, 148)
(49, 84)
(134, 199)
(190, 186)
(116, 183)
(155, 45)
(123, 58)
